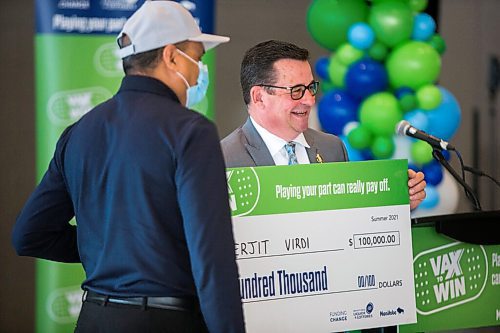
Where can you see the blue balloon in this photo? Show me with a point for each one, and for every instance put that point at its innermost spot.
(433, 172)
(361, 36)
(445, 119)
(321, 68)
(414, 167)
(367, 155)
(400, 92)
(366, 77)
(431, 199)
(352, 153)
(335, 109)
(424, 27)
(417, 118)
(446, 155)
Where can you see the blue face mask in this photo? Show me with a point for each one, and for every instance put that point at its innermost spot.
(195, 94)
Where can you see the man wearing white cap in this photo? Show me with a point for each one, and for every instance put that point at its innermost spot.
(144, 177)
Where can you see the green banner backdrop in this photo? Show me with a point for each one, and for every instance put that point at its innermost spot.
(76, 68)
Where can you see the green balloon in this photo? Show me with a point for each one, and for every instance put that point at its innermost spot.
(326, 86)
(347, 54)
(381, 1)
(408, 102)
(438, 43)
(429, 97)
(413, 65)
(329, 20)
(421, 152)
(359, 137)
(337, 72)
(380, 113)
(383, 147)
(378, 51)
(392, 22)
(417, 5)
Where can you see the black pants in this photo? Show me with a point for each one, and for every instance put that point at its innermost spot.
(117, 318)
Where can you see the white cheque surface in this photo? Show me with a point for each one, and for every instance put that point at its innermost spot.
(326, 271)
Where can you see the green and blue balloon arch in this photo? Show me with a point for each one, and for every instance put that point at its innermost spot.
(384, 65)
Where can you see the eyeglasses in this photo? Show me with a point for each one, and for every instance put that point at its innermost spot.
(297, 91)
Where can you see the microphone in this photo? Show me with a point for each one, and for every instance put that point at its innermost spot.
(405, 128)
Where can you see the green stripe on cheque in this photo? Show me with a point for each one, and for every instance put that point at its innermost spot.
(313, 187)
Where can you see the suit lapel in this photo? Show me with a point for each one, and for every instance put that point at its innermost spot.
(255, 146)
(259, 153)
(313, 151)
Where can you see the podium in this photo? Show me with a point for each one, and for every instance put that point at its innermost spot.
(456, 262)
(474, 227)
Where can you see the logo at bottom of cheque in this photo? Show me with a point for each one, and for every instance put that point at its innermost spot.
(364, 313)
(336, 316)
(392, 312)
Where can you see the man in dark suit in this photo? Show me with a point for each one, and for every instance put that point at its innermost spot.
(279, 91)
(136, 172)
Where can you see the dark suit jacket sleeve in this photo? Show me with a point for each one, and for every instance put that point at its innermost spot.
(204, 204)
(42, 228)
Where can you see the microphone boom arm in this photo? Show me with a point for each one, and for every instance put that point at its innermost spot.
(438, 155)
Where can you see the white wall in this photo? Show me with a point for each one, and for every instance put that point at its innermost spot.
(471, 29)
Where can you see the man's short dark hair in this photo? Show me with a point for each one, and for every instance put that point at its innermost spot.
(144, 61)
(258, 61)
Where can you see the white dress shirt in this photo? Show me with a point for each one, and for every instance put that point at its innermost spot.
(276, 146)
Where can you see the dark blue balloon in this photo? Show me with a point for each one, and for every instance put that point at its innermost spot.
(321, 68)
(414, 167)
(446, 155)
(335, 109)
(366, 77)
(400, 92)
(367, 154)
(433, 173)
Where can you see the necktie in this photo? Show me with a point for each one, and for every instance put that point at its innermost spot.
(290, 149)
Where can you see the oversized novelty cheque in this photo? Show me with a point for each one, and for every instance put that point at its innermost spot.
(323, 247)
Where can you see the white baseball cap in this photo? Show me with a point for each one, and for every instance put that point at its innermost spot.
(159, 23)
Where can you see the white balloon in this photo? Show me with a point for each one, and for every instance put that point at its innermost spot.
(448, 191)
(313, 119)
(349, 127)
(402, 148)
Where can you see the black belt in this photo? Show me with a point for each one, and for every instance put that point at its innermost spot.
(168, 303)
